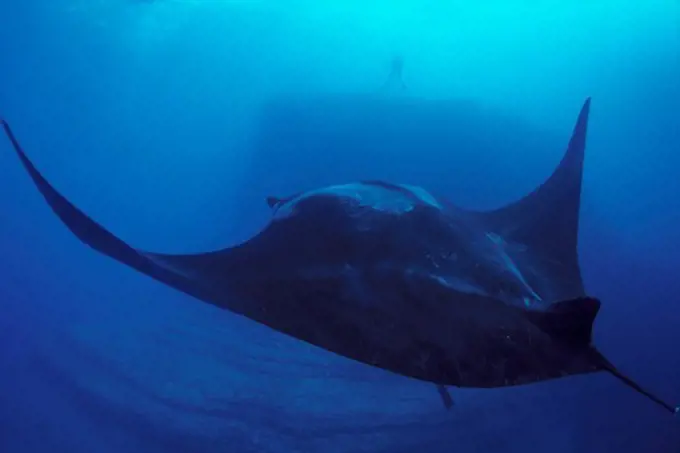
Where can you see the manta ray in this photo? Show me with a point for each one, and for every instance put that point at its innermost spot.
(397, 278)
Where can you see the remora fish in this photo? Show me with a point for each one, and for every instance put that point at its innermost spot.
(391, 276)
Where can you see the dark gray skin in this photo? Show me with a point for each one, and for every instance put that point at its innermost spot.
(393, 277)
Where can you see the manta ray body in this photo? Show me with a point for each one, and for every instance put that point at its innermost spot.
(395, 277)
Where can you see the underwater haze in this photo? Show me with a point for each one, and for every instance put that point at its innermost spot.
(171, 121)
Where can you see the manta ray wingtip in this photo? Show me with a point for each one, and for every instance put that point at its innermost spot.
(585, 113)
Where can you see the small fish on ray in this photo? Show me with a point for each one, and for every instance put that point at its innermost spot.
(395, 277)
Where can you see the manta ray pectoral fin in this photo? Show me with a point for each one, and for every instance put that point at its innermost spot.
(169, 269)
(445, 396)
(545, 223)
(86, 229)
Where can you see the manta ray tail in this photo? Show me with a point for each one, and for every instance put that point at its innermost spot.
(607, 366)
(571, 323)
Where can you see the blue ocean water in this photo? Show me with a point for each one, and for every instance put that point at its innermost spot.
(170, 121)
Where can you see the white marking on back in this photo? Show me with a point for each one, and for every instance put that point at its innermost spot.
(500, 246)
(376, 197)
(422, 195)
